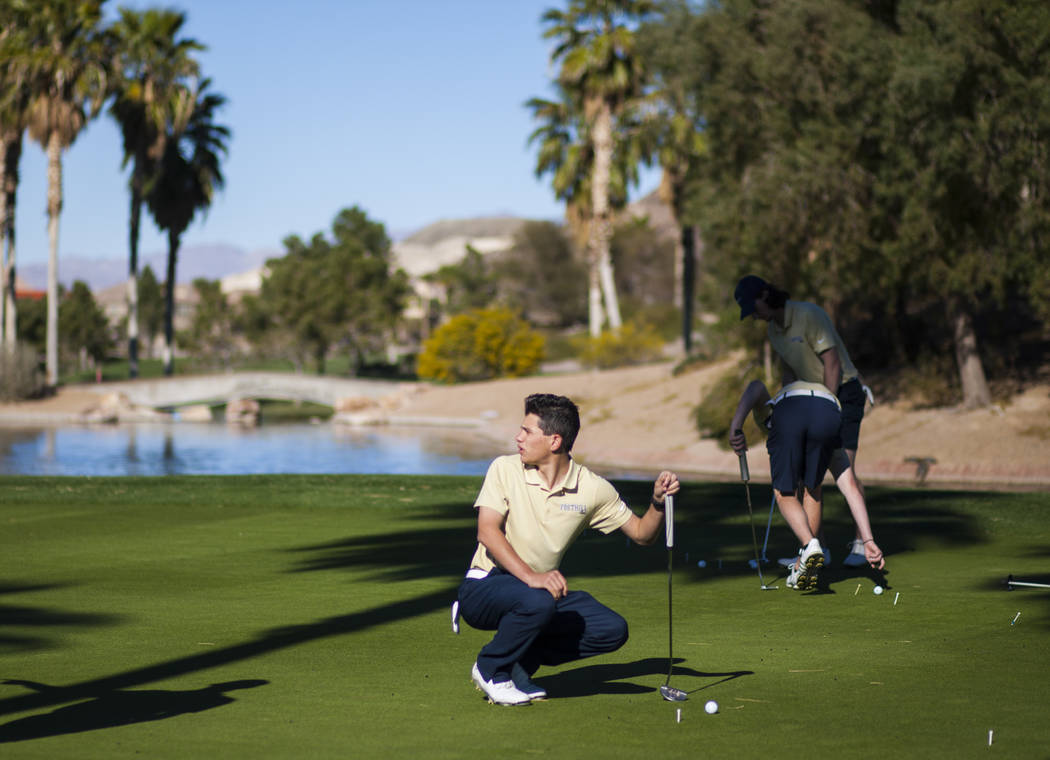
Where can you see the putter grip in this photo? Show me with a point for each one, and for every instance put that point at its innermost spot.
(745, 474)
(669, 520)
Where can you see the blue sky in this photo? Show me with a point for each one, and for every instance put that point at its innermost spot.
(411, 109)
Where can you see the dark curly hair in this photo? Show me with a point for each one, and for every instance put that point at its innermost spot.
(557, 415)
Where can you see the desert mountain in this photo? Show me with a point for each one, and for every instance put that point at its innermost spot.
(426, 250)
(212, 262)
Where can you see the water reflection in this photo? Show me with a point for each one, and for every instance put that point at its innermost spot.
(184, 449)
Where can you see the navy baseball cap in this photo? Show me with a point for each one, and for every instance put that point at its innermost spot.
(747, 290)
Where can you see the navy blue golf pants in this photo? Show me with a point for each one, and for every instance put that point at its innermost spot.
(533, 628)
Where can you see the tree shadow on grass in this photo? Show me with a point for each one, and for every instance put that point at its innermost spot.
(609, 678)
(116, 707)
(712, 523)
(395, 556)
(18, 616)
(707, 515)
(265, 643)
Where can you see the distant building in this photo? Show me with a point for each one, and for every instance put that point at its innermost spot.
(22, 290)
(237, 286)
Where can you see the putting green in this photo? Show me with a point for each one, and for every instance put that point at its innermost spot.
(307, 616)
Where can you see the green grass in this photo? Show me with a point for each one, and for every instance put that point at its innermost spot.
(307, 616)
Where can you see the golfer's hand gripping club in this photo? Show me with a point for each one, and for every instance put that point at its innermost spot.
(745, 473)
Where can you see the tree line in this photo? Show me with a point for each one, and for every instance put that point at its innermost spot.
(60, 67)
(886, 159)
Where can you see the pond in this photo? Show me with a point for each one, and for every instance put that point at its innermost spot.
(218, 449)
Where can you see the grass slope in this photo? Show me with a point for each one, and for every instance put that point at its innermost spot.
(307, 616)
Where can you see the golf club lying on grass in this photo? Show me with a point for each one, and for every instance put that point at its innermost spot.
(667, 691)
(1010, 583)
(745, 475)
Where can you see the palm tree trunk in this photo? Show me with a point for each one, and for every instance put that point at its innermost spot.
(133, 284)
(601, 227)
(54, 210)
(12, 153)
(971, 370)
(4, 268)
(595, 312)
(3, 239)
(169, 306)
(666, 193)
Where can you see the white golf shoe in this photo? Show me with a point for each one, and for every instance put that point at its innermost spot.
(804, 574)
(789, 562)
(502, 693)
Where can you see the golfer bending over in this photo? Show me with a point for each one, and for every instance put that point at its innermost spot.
(531, 508)
(803, 422)
(810, 349)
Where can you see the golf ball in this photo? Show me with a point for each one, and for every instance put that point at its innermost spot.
(878, 590)
(711, 707)
(701, 563)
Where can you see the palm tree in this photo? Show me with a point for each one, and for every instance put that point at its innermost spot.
(69, 90)
(189, 174)
(150, 104)
(16, 65)
(566, 153)
(601, 72)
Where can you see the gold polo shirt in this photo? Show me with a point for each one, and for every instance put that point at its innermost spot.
(542, 523)
(806, 334)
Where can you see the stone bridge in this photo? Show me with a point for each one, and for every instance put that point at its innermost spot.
(219, 389)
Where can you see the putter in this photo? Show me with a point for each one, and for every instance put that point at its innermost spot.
(667, 691)
(745, 475)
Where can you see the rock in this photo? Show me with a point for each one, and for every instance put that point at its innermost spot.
(116, 407)
(242, 411)
(370, 418)
(195, 413)
(354, 404)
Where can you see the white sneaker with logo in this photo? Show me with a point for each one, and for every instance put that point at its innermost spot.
(805, 574)
(502, 693)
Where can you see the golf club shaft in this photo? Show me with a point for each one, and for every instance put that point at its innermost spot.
(769, 524)
(669, 518)
(745, 476)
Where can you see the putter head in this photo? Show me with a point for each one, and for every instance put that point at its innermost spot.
(671, 694)
(769, 588)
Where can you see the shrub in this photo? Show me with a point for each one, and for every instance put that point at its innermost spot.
(619, 348)
(715, 410)
(480, 344)
(20, 375)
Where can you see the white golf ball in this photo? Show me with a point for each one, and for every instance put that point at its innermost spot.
(711, 707)
(878, 590)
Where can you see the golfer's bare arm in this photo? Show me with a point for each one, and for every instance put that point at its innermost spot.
(644, 530)
(832, 369)
(492, 537)
(755, 395)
